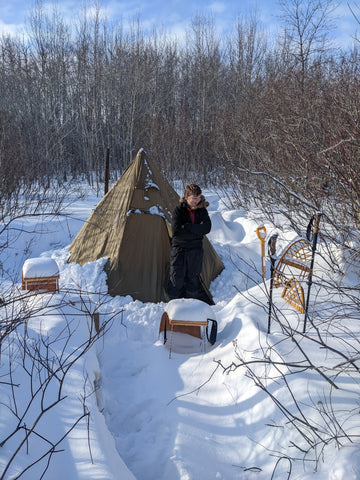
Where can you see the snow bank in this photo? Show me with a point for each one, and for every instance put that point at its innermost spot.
(346, 464)
(178, 418)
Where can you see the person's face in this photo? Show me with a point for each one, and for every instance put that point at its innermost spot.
(193, 200)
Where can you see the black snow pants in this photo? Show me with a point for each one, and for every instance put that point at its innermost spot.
(184, 275)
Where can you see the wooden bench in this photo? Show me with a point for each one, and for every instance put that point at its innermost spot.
(40, 274)
(187, 316)
(188, 323)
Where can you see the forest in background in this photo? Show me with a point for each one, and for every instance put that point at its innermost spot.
(275, 120)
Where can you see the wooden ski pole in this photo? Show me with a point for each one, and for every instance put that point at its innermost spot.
(315, 238)
(272, 256)
(261, 233)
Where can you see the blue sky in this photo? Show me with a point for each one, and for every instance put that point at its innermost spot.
(175, 15)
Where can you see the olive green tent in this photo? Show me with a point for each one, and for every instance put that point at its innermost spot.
(131, 226)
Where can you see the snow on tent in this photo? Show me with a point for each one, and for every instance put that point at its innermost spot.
(131, 226)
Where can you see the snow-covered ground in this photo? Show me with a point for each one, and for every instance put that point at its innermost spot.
(161, 414)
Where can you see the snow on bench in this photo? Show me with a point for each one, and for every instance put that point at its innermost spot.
(188, 315)
(188, 311)
(40, 274)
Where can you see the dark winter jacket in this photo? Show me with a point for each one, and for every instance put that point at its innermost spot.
(186, 234)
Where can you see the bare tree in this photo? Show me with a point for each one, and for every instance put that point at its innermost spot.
(36, 360)
(307, 28)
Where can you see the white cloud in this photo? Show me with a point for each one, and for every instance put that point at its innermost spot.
(123, 10)
(217, 7)
(10, 28)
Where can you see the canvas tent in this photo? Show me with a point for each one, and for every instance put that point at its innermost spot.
(131, 226)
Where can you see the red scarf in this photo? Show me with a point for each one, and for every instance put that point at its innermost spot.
(192, 215)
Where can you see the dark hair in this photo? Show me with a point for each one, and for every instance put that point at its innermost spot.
(192, 189)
